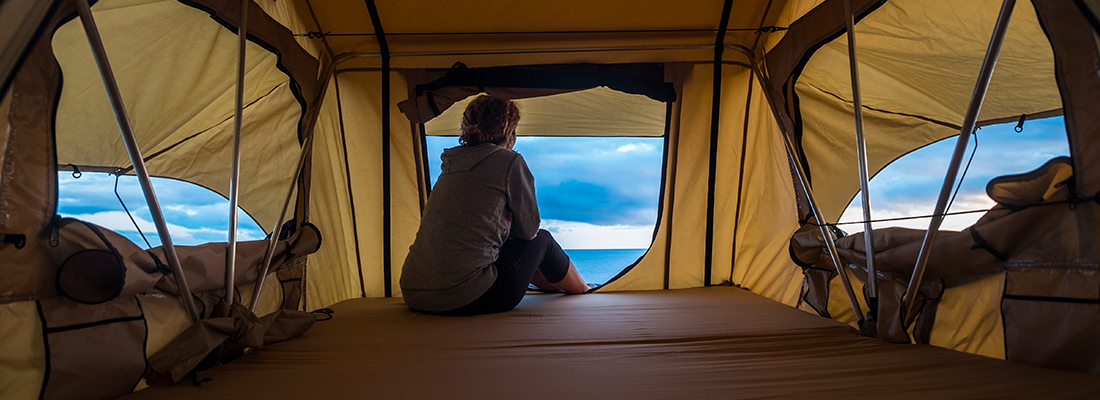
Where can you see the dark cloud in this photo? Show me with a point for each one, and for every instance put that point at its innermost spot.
(600, 181)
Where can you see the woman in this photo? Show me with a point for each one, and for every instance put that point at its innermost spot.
(479, 245)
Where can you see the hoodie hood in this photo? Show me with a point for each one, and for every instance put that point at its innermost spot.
(465, 158)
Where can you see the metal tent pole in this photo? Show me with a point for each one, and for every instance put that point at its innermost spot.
(969, 122)
(861, 150)
(235, 177)
(307, 148)
(132, 149)
(826, 233)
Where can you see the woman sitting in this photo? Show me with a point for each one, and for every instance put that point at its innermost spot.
(479, 246)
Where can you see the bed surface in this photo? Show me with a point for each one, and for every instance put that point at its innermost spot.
(718, 342)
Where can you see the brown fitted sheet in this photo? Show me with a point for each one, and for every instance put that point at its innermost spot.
(718, 342)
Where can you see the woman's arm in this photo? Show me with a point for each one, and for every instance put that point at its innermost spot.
(521, 200)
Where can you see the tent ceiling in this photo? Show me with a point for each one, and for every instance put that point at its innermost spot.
(668, 31)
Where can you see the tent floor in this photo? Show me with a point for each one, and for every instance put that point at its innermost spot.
(717, 342)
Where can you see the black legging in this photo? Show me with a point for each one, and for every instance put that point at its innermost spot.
(515, 266)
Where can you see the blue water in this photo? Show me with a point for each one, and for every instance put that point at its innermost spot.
(598, 266)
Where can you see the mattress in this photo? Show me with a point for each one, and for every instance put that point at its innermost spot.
(716, 342)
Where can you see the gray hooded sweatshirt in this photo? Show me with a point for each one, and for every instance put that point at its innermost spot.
(484, 195)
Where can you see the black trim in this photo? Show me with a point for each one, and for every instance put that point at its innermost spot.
(646, 79)
(46, 347)
(384, 49)
(917, 116)
(980, 243)
(85, 325)
(716, 103)
(741, 175)
(664, 171)
(1089, 15)
(144, 343)
(432, 105)
(351, 196)
(424, 160)
(763, 29)
(671, 188)
(1051, 299)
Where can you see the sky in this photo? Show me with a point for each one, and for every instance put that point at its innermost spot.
(911, 185)
(596, 193)
(194, 214)
(593, 193)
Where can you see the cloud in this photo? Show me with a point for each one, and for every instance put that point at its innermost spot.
(194, 214)
(119, 222)
(627, 147)
(910, 186)
(580, 235)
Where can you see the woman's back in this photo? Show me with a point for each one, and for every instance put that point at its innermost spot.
(484, 195)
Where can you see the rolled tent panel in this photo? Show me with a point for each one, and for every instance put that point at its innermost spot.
(917, 79)
(176, 73)
(352, 121)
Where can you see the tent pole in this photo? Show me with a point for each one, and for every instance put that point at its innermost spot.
(861, 150)
(134, 151)
(307, 147)
(969, 122)
(826, 233)
(235, 175)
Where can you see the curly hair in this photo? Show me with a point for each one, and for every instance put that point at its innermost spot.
(488, 120)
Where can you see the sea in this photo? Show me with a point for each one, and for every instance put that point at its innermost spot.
(599, 266)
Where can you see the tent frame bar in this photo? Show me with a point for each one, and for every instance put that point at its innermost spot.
(968, 126)
(350, 56)
(127, 131)
(861, 155)
(826, 233)
(235, 175)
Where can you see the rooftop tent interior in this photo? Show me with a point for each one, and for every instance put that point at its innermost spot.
(327, 79)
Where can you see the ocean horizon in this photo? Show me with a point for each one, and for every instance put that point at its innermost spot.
(597, 266)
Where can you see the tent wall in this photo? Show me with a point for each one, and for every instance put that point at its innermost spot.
(351, 262)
